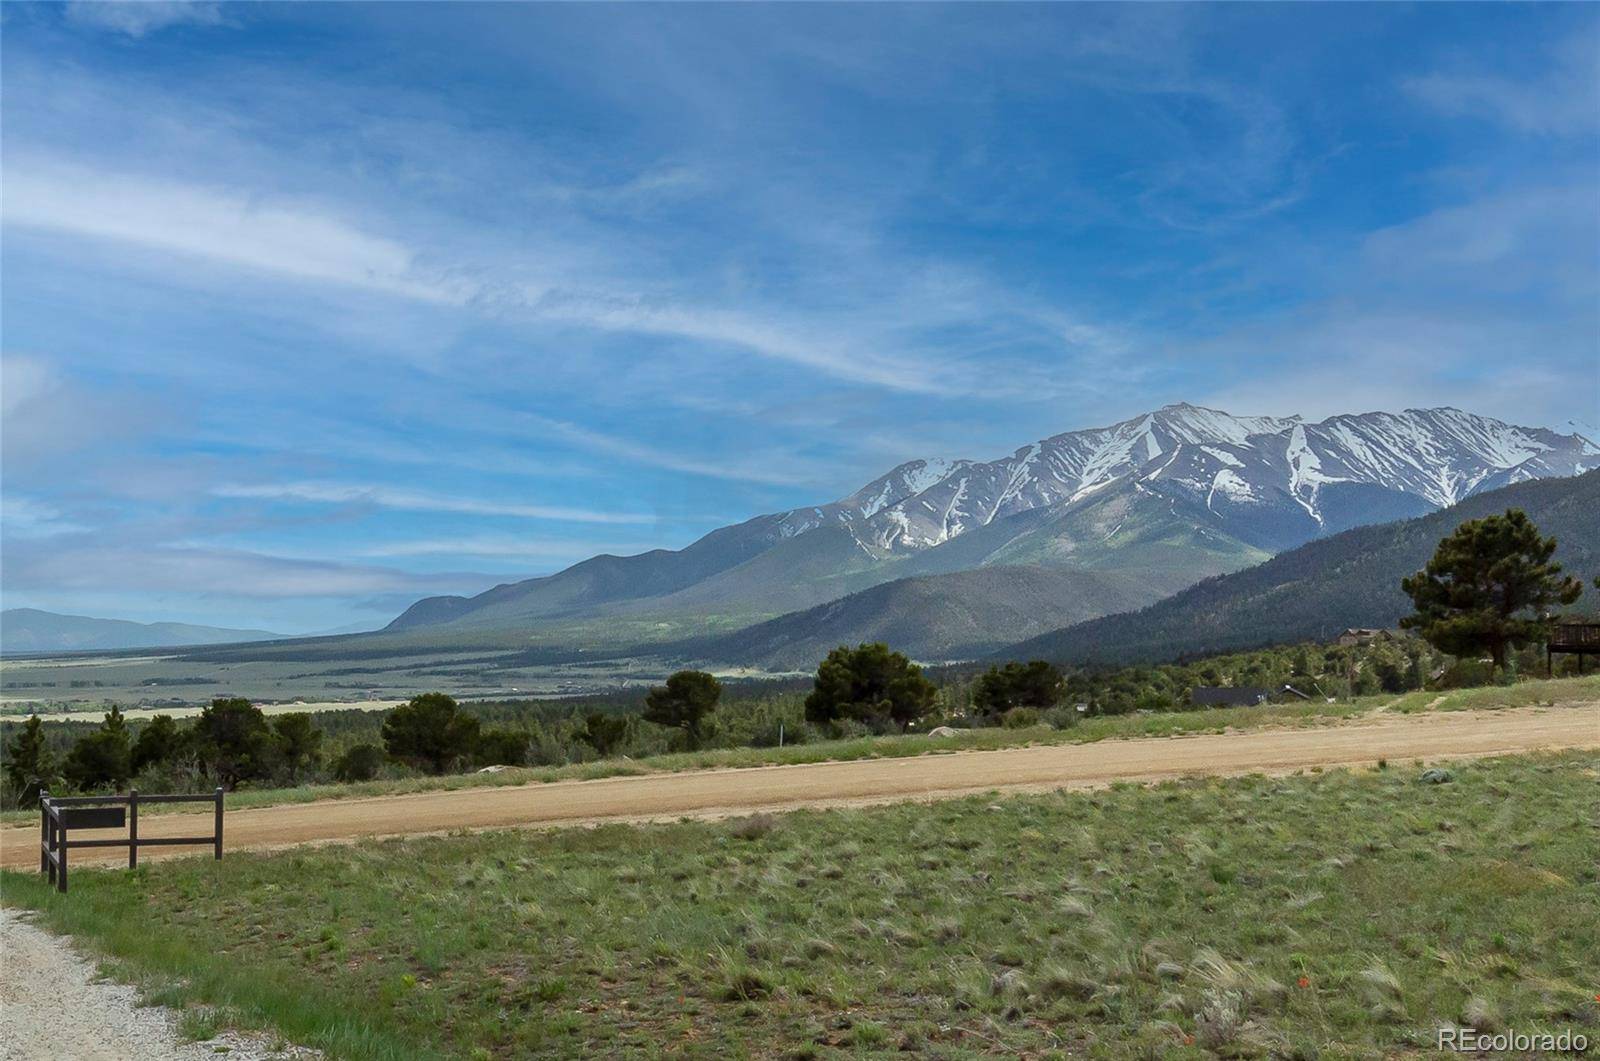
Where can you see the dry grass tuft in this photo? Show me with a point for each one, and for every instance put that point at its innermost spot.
(754, 827)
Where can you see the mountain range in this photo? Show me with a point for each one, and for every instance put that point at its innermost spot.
(32, 630)
(1147, 506)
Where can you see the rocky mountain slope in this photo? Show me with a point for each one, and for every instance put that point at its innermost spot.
(1170, 497)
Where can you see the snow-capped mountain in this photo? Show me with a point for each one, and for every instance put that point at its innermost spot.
(891, 488)
(1297, 479)
(1158, 502)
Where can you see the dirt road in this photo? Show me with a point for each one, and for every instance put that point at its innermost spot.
(716, 793)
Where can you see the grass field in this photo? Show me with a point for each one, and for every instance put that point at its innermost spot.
(1340, 914)
(1166, 724)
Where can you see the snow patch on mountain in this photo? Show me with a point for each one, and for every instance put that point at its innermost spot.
(1231, 486)
(1224, 456)
(1438, 455)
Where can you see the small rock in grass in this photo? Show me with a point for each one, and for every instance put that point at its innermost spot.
(1479, 1013)
(942, 731)
(1435, 776)
(1006, 983)
(1169, 970)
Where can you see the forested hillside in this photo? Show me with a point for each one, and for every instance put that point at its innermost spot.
(936, 617)
(1310, 593)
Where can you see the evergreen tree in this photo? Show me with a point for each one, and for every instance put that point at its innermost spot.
(502, 747)
(104, 757)
(999, 689)
(360, 762)
(1489, 588)
(233, 741)
(299, 743)
(29, 762)
(160, 741)
(604, 733)
(683, 703)
(430, 732)
(869, 683)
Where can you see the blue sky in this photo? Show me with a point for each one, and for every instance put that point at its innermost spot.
(310, 310)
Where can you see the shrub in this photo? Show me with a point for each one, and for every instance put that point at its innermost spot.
(359, 763)
(1466, 674)
(1020, 718)
(754, 827)
(174, 775)
(770, 734)
(1061, 717)
(502, 747)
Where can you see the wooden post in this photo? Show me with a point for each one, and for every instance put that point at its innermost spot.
(133, 828)
(44, 832)
(219, 823)
(61, 851)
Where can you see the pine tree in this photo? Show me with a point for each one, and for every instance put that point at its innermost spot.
(1489, 588)
(430, 731)
(29, 762)
(869, 683)
(104, 757)
(688, 697)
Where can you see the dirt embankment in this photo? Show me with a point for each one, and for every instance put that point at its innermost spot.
(717, 793)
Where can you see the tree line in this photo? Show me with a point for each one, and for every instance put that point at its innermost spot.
(1484, 603)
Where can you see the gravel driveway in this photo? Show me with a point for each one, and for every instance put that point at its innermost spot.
(52, 1009)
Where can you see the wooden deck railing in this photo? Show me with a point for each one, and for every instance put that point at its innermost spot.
(1578, 639)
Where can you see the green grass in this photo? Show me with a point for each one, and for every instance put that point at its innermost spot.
(1492, 697)
(1337, 913)
(1163, 724)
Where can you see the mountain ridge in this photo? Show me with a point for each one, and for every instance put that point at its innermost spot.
(36, 630)
(1349, 580)
(1221, 491)
(932, 618)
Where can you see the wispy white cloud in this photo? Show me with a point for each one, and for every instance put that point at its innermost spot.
(113, 568)
(234, 227)
(777, 470)
(26, 517)
(837, 357)
(139, 17)
(1562, 99)
(1473, 304)
(511, 548)
(247, 229)
(47, 416)
(417, 501)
